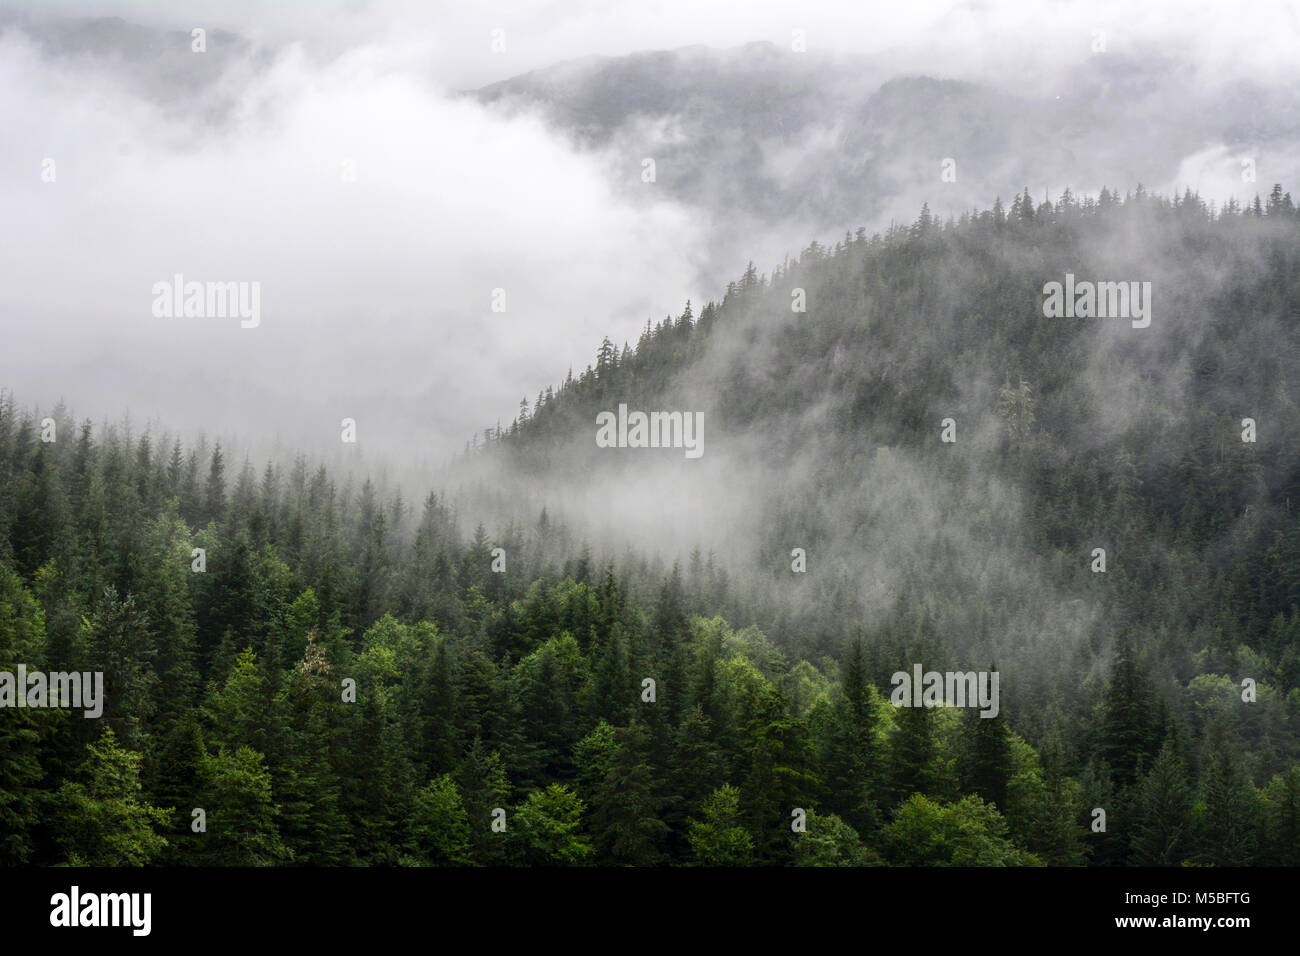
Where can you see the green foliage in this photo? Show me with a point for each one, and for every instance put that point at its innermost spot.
(21, 641)
(968, 832)
(1282, 819)
(102, 818)
(626, 803)
(1130, 721)
(829, 841)
(1162, 812)
(718, 839)
(1228, 817)
(478, 691)
(439, 824)
(546, 828)
(241, 814)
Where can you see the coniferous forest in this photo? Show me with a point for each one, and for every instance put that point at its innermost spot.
(336, 670)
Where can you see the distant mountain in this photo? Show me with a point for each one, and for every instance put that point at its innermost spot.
(157, 65)
(757, 132)
(757, 135)
(755, 88)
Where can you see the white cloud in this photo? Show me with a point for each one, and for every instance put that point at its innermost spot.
(376, 293)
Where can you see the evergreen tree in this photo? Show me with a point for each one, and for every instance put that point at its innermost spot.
(1131, 718)
(547, 829)
(241, 814)
(439, 826)
(717, 838)
(1161, 830)
(102, 818)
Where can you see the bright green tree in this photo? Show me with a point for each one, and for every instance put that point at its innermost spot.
(102, 819)
(718, 839)
(439, 826)
(829, 841)
(968, 832)
(241, 814)
(547, 829)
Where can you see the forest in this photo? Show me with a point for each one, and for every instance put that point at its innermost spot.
(302, 668)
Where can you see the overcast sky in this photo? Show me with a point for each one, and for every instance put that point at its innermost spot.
(376, 293)
(1019, 38)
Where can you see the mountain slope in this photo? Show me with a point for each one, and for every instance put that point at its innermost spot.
(824, 431)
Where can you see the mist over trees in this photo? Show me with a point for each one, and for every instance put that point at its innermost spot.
(350, 680)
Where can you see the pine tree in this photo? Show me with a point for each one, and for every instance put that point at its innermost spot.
(241, 814)
(1131, 719)
(439, 826)
(102, 818)
(214, 494)
(625, 803)
(850, 764)
(913, 749)
(718, 838)
(1229, 821)
(175, 778)
(1282, 819)
(21, 771)
(547, 829)
(1162, 811)
(985, 758)
(484, 788)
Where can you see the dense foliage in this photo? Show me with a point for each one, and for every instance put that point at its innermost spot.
(524, 690)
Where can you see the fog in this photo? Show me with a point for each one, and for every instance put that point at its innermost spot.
(1034, 40)
(377, 293)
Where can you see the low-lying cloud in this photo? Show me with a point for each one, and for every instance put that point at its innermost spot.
(379, 215)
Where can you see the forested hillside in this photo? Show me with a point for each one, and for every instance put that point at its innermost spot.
(337, 676)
